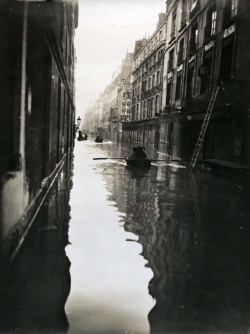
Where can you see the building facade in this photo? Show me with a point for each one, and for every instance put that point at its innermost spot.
(147, 86)
(113, 105)
(206, 46)
(37, 107)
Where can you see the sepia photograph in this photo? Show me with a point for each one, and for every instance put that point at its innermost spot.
(125, 166)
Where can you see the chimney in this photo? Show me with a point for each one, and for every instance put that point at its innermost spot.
(162, 18)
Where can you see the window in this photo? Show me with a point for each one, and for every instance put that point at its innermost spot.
(150, 105)
(227, 58)
(156, 104)
(234, 8)
(194, 7)
(193, 38)
(210, 28)
(171, 60)
(157, 78)
(149, 83)
(153, 81)
(213, 23)
(178, 86)
(169, 92)
(230, 11)
(173, 27)
(181, 51)
(143, 86)
(183, 13)
(190, 79)
(144, 109)
(205, 71)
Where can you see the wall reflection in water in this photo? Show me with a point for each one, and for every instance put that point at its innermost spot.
(34, 292)
(194, 231)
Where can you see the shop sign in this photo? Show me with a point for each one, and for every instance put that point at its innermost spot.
(229, 31)
(209, 46)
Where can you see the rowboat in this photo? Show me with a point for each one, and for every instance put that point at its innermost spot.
(138, 162)
(82, 138)
(99, 139)
(138, 158)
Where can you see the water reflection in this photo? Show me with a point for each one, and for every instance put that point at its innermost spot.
(159, 251)
(194, 232)
(109, 280)
(34, 292)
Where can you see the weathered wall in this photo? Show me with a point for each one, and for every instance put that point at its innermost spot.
(36, 95)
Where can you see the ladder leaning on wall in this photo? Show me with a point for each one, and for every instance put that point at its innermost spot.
(204, 127)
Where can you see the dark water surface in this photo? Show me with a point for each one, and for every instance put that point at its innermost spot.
(132, 251)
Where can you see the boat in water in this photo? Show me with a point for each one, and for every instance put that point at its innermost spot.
(99, 139)
(82, 137)
(138, 158)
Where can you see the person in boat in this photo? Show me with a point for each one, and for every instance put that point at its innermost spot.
(138, 153)
(141, 153)
(98, 139)
(134, 151)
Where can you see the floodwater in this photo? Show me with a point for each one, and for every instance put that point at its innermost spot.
(109, 287)
(120, 250)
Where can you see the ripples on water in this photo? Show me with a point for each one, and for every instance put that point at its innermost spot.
(194, 232)
(109, 278)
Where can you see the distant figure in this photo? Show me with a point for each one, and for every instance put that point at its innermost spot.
(138, 153)
(85, 137)
(99, 139)
(80, 136)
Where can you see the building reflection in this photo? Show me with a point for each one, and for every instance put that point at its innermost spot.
(193, 230)
(35, 289)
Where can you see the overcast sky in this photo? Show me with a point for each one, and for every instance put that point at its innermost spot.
(107, 30)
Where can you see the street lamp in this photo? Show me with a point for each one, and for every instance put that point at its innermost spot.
(78, 121)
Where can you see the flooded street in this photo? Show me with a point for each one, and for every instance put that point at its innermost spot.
(109, 278)
(121, 250)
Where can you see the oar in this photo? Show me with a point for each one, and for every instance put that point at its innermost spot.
(165, 160)
(158, 160)
(108, 158)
